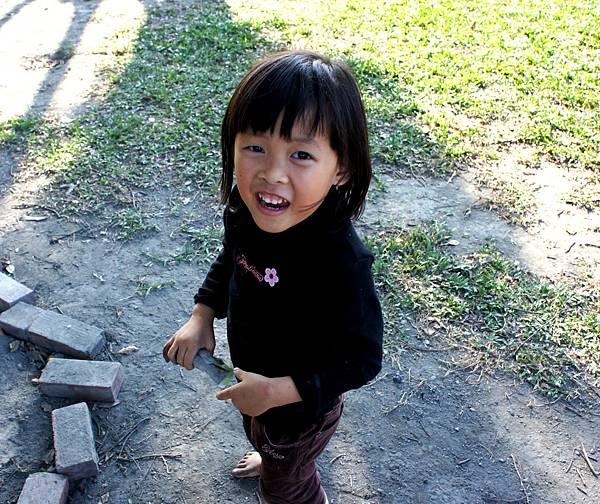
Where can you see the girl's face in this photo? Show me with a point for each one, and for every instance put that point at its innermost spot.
(284, 182)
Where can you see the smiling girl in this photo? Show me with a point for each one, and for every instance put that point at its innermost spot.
(293, 278)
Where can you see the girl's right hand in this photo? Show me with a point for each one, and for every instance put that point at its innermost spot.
(182, 347)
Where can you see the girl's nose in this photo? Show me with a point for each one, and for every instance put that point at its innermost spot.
(275, 172)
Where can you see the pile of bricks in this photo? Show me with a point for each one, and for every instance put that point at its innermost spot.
(84, 380)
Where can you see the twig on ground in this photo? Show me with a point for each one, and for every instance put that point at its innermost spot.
(409, 438)
(572, 460)
(151, 455)
(135, 461)
(123, 439)
(587, 460)
(165, 463)
(579, 413)
(130, 434)
(205, 424)
(520, 479)
(57, 238)
(188, 386)
(337, 457)
(498, 499)
(487, 450)
(422, 427)
(379, 378)
(426, 349)
(580, 476)
(352, 492)
(143, 478)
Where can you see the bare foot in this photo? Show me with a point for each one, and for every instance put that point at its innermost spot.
(248, 467)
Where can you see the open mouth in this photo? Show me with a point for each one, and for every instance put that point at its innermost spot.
(272, 202)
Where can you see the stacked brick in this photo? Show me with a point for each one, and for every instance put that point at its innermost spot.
(83, 380)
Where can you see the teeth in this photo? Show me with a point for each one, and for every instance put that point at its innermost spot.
(272, 200)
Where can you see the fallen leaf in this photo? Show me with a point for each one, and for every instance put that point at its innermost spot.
(452, 243)
(99, 277)
(108, 405)
(14, 345)
(49, 457)
(10, 268)
(127, 350)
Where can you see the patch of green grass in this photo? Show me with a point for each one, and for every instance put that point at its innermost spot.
(129, 222)
(464, 75)
(144, 288)
(13, 129)
(546, 331)
(202, 245)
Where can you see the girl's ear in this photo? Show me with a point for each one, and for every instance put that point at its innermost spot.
(342, 176)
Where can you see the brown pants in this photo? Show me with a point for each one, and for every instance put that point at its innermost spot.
(288, 473)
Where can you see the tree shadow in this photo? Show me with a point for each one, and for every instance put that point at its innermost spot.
(84, 11)
(13, 12)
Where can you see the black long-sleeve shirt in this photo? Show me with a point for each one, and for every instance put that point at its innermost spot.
(299, 303)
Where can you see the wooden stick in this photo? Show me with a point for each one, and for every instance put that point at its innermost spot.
(130, 433)
(337, 457)
(152, 455)
(587, 460)
(124, 437)
(572, 460)
(580, 477)
(520, 479)
(165, 463)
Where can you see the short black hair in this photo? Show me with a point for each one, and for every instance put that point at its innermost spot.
(320, 93)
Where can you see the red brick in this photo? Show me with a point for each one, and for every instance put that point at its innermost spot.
(44, 488)
(11, 292)
(83, 380)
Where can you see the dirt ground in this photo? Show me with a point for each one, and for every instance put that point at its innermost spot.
(419, 433)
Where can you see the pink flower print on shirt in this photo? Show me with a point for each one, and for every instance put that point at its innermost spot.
(271, 276)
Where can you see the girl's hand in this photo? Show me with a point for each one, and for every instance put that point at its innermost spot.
(182, 347)
(255, 393)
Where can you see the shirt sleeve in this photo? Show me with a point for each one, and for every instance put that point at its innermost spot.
(214, 291)
(359, 342)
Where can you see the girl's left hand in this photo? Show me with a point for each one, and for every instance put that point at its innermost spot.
(251, 395)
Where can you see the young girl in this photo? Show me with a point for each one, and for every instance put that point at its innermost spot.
(293, 279)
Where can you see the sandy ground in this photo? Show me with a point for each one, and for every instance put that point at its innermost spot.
(418, 433)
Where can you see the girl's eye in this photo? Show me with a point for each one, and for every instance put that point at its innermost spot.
(255, 148)
(301, 155)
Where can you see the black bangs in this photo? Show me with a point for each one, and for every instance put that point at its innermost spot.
(319, 95)
(295, 92)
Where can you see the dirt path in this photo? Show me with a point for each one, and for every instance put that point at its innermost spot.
(418, 434)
